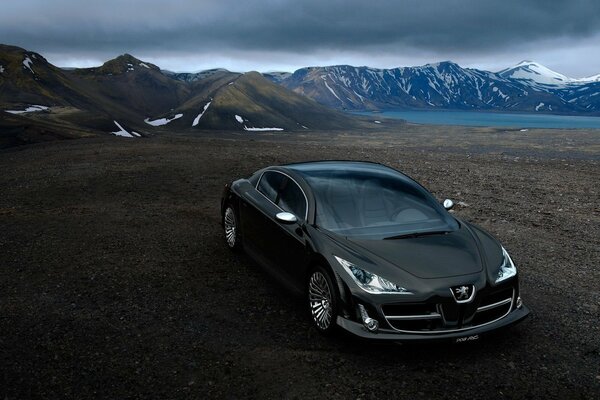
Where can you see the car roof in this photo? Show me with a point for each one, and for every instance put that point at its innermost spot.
(333, 165)
(305, 169)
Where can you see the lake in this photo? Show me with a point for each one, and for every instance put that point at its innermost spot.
(475, 118)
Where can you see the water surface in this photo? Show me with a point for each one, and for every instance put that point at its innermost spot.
(475, 118)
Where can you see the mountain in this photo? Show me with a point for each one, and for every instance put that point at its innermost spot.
(129, 97)
(39, 101)
(250, 102)
(534, 73)
(127, 87)
(27, 77)
(194, 76)
(276, 76)
(527, 86)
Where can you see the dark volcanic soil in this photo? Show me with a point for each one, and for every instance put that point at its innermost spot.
(115, 281)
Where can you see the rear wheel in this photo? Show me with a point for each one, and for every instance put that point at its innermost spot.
(230, 228)
(322, 300)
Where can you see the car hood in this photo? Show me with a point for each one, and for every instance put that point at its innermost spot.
(429, 257)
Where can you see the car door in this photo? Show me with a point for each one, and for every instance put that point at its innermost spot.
(279, 246)
(289, 244)
(257, 212)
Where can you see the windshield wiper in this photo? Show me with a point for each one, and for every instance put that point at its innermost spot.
(416, 234)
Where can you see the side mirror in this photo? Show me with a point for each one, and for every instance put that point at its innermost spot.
(448, 204)
(286, 218)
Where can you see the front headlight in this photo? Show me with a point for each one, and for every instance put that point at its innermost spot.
(369, 282)
(507, 269)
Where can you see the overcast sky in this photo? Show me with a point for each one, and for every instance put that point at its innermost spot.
(189, 35)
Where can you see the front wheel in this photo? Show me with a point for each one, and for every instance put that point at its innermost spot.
(322, 300)
(230, 227)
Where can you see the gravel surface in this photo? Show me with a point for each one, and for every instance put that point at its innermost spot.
(115, 281)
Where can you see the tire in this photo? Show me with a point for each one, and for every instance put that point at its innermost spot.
(323, 300)
(231, 229)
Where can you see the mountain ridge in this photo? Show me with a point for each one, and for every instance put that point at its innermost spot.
(525, 87)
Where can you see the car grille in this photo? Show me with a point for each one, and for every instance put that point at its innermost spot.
(446, 315)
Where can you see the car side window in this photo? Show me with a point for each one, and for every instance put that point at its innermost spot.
(284, 192)
(291, 198)
(269, 184)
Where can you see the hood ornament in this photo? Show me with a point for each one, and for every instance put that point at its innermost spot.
(463, 293)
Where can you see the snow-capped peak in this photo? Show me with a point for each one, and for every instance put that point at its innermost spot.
(530, 70)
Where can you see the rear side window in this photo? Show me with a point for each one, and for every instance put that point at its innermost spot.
(284, 192)
(269, 184)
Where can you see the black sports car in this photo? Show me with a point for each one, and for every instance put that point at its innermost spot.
(373, 251)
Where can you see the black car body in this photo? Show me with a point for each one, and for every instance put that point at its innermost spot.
(374, 252)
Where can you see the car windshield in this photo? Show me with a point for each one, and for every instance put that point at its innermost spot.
(375, 203)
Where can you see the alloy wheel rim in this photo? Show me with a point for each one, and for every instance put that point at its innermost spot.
(319, 294)
(230, 228)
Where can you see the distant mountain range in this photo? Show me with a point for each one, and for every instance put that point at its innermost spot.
(129, 97)
(526, 87)
(132, 98)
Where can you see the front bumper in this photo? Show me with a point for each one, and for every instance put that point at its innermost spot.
(467, 334)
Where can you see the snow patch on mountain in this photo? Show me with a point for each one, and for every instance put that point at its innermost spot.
(33, 108)
(27, 63)
(1, 69)
(499, 92)
(330, 89)
(539, 106)
(123, 132)
(261, 129)
(144, 65)
(359, 96)
(162, 121)
(240, 119)
(197, 119)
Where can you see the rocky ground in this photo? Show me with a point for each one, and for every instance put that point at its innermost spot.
(115, 281)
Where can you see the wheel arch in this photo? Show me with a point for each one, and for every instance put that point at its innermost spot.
(345, 296)
(229, 197)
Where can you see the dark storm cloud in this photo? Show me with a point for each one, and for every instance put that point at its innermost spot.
(443, 26)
